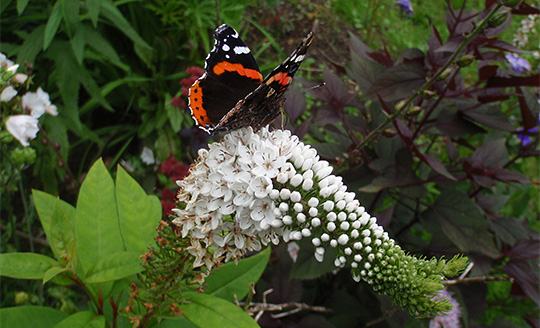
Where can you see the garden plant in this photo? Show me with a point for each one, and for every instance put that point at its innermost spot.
(399, 187)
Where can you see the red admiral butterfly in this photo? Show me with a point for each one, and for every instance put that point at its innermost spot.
(231, 93)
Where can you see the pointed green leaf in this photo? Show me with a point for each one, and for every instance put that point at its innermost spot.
(109, 10)
(78, 41)
(114, 267)
(53, 272)
(45, 205)
(232, 279)
(53, 23)
(96, 41)
(30, 316)
(70, 10)
(68, 76)
(210, 311)
(83, 319)
(62, 237)
(31, 46)
(96, 227)
(25, 265)
(137, 212)
(93, 7)
(21, 5)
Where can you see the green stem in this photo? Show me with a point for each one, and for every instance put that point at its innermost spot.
(480, 27)
(25, 207)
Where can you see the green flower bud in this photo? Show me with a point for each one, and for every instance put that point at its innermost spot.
(497, 20)
(466, 60)
(24, 155)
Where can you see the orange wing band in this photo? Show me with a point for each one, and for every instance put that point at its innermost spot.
(223, 67)
(196, 105)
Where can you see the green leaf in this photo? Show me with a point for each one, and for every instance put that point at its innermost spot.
(210, 311)
(71, 14)
(114, 267)
(25, 265)
(31, 46)
(62, 236)
(30, 316)
(96, 228)
(53, 272)
(55, 18)
(96, 41)
(67, 76)
(174, 114)
(45, 205)
(21, 5)
(83, 319)
(232, 279)
(138, 213)
(109, 10)
(93, 7)
(78, 41)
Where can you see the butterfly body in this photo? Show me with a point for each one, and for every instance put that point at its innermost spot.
(232, 94)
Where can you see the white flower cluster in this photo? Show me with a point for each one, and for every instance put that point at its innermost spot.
(254, 188)
(23, 127)
(521, 37)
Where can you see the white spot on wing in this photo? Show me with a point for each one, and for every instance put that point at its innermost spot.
(299, 58)
(226, 47)
(241, 50)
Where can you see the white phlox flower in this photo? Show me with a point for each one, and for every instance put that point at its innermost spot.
(8, 93)
(38, 103)
(23, 128)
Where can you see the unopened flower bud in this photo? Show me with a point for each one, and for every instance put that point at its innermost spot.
(466, 60)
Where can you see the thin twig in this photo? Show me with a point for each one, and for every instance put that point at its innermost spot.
(477, 279)
(27, 236)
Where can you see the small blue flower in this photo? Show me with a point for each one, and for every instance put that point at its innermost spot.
(519, 65)
(405, 6)
(526, 139)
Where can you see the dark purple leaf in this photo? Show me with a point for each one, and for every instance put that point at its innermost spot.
(365, 72)
(454, 125)
(505, 175)
(525, 276)
(378, 184)
(285, 289)
(525, 9)
(295, 104)
(491, 154)
(495, 43)
(451, 150)
(514, 81)
(525, 249)
(491, 116)
(404, 131)
(399, 82)
(384, 217)
(529, 108)
(450, 45)
(329, 150)
(463, 223)
(360, 48)
(327, 115)
(486, 71)
(303, 128)
(509, 230)
(315, 321)
(436, 165)
(492, 203)
(483, 180)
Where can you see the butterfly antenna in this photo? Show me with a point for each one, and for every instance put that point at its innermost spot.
(315, 87)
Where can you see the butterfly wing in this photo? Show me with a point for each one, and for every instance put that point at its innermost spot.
(231, 73)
